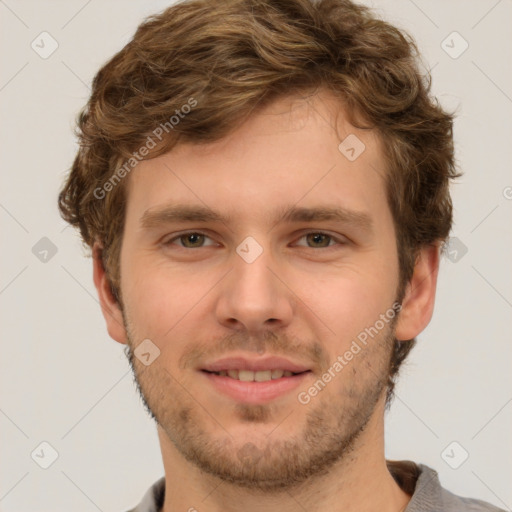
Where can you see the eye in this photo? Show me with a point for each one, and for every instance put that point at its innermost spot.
(319, 240)
(197, 240)
(190, 240)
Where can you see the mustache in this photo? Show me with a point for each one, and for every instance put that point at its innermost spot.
(269, 342)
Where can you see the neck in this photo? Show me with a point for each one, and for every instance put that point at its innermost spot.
(360, 482)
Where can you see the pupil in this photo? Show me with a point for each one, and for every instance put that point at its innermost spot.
(319, 239)
(193, 239)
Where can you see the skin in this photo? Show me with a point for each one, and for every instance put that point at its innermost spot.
(305, 298)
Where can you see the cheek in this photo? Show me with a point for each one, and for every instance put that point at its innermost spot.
(157, 298)
(172, 307)
(344, 303)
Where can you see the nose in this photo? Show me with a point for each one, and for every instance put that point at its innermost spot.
(254, 296)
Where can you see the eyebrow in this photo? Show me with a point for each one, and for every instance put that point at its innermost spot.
(358, 219)
(289, 214)
(180, 213)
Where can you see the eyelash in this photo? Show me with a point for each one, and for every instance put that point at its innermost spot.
(332, 238)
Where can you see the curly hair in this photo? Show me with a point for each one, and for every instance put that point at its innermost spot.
(225, 58)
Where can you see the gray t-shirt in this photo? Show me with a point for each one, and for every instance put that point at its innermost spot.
(418, 480)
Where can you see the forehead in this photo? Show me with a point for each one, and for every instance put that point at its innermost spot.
(296, 149)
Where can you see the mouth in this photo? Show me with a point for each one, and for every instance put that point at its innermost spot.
(256, 376)
(254, 381)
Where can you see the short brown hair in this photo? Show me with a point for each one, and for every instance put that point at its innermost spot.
(234, 56)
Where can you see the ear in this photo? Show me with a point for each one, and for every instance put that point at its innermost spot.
(109, 306)
(418, 302)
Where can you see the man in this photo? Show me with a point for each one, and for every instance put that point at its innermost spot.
(264, 186)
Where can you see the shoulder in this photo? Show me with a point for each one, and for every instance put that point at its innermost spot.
(452, 502)
(430, 496)
(153, 499)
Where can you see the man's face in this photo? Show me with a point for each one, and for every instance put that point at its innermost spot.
(235, 290)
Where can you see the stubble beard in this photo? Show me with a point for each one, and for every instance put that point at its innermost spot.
(332, 426)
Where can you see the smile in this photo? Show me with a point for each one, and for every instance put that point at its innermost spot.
(254, 387)
(255, 376)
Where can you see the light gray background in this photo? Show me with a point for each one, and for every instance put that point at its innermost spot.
(64, 381)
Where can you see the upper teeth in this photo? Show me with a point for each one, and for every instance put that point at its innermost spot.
(259, 376)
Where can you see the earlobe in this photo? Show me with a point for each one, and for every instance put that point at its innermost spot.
(418, 302)
(110, 307)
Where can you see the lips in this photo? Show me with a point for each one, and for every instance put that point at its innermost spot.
(255, 381)
(258, 376)
(255, 365)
